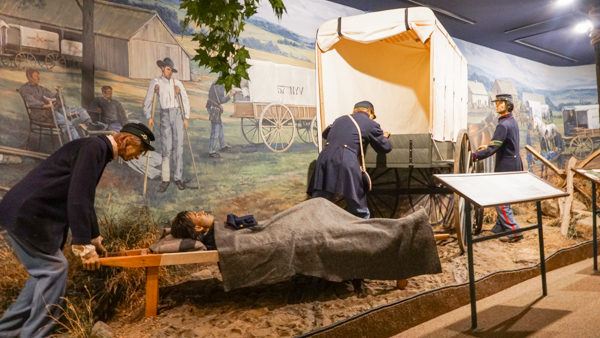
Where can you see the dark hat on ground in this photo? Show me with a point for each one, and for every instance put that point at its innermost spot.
(141, 131)
(504, 97)
(166, 62)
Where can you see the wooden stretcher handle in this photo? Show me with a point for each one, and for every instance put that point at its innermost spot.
(132, 260)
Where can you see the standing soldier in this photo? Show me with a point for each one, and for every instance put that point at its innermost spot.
(38, 212)
(172, 121)
(505, 144)
(337, 171)
(214, 106)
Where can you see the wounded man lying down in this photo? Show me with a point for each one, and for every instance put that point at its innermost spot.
(315, 238)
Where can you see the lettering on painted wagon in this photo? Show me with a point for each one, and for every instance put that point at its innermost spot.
(290, 90)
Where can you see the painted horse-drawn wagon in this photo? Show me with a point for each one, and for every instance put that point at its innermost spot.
(277, 105)
(582, 129)
(24, 47)
(407, 65)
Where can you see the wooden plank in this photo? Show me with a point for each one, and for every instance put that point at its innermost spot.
(194, 257)
(3, 188)
(547, 163)
(567, 202)
(23, 152)
(588, 159)
(321, 99)
(140, 261)
(133, 260)
(152, 291)
(441, 237)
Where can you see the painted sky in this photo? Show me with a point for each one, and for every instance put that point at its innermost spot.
(534, 74)
(303, 17)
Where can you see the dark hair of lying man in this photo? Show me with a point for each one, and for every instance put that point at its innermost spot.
(195, 225)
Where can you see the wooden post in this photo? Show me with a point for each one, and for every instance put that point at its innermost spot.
(401, 283)
(321, 117)
(566, 202)
(152, 291)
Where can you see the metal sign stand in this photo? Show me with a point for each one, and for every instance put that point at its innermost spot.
(468, 187)
(471, 241)
(594, 180)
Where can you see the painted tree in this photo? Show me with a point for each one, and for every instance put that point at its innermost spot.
(220, 24)
(89, 46)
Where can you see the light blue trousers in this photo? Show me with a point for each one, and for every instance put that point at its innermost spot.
(217, 138)
(505, 220)
(171, 138)
(30, 315)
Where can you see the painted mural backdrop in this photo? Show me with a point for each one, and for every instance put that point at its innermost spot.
(557, 107)
(262, 171)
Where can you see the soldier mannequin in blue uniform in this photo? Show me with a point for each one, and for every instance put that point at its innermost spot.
(505, 144)
(337, 172)
(38, 212)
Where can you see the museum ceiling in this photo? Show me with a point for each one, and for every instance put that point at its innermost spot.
(539, 30)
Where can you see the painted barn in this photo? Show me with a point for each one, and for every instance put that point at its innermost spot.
(128, 39)
(478, 96)
(527, 97)
(505, 86)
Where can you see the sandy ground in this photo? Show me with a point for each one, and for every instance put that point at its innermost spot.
(200, 308)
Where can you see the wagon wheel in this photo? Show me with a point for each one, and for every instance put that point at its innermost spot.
(314, 131)
(51, 60)
(383, 200)
(438, 206)
(277, 127)
(250, 130)
(304, 131)
(462, 165)
(24, 60)
(581, 146)
(62, 61)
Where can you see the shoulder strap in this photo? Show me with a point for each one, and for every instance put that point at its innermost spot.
(362, 153)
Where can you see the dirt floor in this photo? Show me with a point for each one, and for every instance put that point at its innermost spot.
(200, 308)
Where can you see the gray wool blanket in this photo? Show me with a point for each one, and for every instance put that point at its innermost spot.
(317, 238)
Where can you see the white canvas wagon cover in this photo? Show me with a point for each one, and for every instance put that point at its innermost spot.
(279, 83)
(72, 48)
(33, 38)
(401, 60)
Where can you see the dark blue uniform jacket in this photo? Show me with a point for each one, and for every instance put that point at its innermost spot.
(505, 144)
(337, 169)
(58, 195)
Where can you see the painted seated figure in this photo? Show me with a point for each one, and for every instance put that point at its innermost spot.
(38, 96)
(110, 110)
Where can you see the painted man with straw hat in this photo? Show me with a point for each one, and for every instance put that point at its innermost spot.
(170, 93)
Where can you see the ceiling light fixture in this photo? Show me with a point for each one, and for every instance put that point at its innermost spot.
(583, 27)
(563, 3)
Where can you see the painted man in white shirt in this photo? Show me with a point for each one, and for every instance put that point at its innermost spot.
(172, 121)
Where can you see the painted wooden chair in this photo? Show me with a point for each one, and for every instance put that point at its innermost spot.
(42, 122)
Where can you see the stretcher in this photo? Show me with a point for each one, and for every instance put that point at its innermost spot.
(151, 262)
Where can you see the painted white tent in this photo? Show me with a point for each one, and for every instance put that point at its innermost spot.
(401, 60)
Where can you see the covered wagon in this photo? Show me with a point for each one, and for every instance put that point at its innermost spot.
(407, 65)
(582, 129)
(277, 104)
(30, 47)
